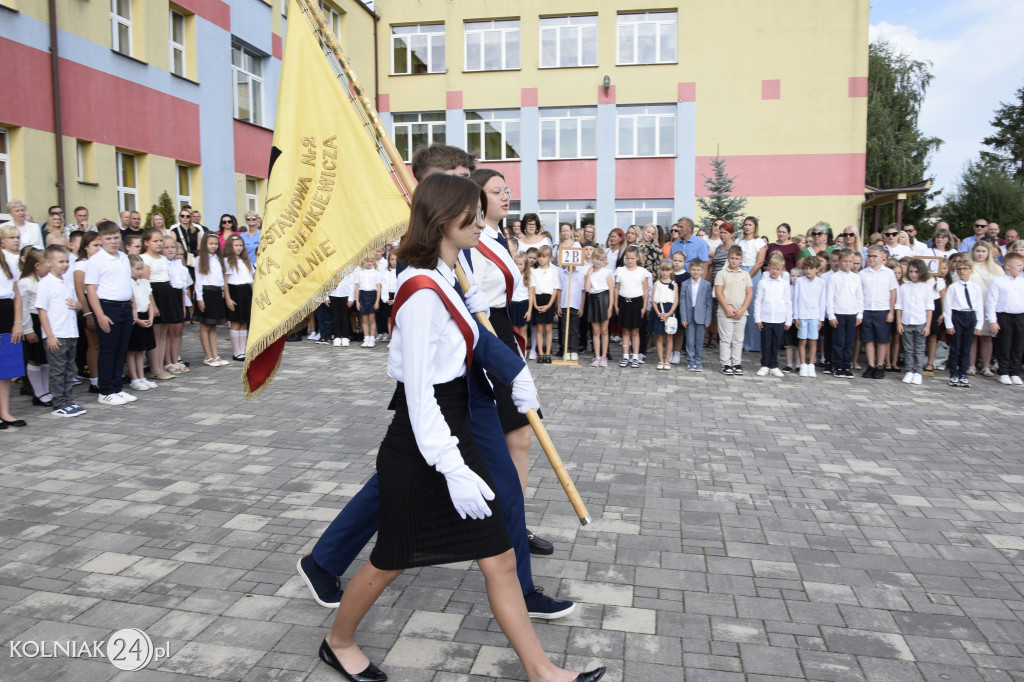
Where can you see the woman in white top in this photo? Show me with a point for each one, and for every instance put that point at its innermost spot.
(986, 269)
(532, 237)
(754, 251)
(942, 244)
(566, 239)
(10, 321)
(29, 232)
(429, 446)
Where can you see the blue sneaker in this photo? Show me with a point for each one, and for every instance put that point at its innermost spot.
(62, 412)
(326, 588)
(539, 605)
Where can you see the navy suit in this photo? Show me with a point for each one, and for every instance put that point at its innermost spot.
(341, 543)
(695, 316)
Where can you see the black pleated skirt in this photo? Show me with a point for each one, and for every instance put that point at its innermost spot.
(142, 338)
(546, 317)
(597, 306)
(215, 311)
(418, 522)
(168, 302)
(35, 352)
(241, 295)
(631, 312)
(518, 311)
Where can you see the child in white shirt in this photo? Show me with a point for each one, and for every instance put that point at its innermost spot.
(915, 306)
(773, 313)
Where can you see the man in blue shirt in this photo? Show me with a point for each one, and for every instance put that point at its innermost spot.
(251, 236)
(692, 247)
(980, 229)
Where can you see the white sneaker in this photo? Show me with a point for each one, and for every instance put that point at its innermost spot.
(152, 384)
(574, 356)
(337, 343)
(533, 353)
(1005, 379)
(674, 359)
(112, 399)
(365, 343)
(811, 372)
(314, 336)
(763, 372)
(776, 372)
(643, 358)
(345, 342)
(373, 342)
(127, 397)
(917, 379)
(1017, 381)
(908, 378)
(140, 385)
(803, 371)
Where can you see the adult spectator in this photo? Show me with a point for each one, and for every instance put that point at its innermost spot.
(785, 245)
(30, 233)
(228, 226)
(691, 246)
(532, 237)
(186, 234)
(82, 220)
(892, 245)
(613, 247)
(251, 236)
(980, 230)
(918, 248)
(849, 238)
(197, 221)
(126, 222)
(818, 241)
(650, 248)
(55, 223)
(1012, 236)
(714, 239)
(134, 224)
(993, 233)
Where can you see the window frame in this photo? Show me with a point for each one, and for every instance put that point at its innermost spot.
(331, 13)
(430, 48)
(572, 114)
(117, 21)
(184, 198)
(620, 24)
(255, 108)
(432, 126)
(622, 208)
(252, 199)
(636, 112)
(5, 164)
(489, 117)
(125, 191)
(176, 47)
(557, 28)
(551, 215)
(503, 35)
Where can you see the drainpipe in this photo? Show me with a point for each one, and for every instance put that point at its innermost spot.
(58, 128)
(376, 71)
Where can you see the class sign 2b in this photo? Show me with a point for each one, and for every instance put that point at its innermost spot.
(570, 257)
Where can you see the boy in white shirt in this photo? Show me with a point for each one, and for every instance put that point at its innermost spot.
(879, 287)
(844, 307)
(809, 296)
(57, 304)
(1004, 310)
(773, 314)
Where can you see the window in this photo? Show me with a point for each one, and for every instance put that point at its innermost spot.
(127, 182)
(247, 73)
(492, 45)
(417, 49)
(121, 26)
(333, 17)
(568, 41)
(252, 194)
(5, 170)
(648, 38)
(184, 185)
(568, 133)
(552, 213)
(492, 135)
(642, 212)
(85, 161)
(647, 131)
(413, 131)
(177, 40)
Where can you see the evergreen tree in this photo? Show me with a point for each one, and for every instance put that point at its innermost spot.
(719, 202)
(897, 151)
(165, 207)
(1008, 141)
(986, 189)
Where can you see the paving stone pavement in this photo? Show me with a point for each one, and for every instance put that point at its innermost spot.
(744, 529)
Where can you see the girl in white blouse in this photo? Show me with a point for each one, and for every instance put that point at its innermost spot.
(429, 446)
(210, 297)
(238, 293)
(156, 269)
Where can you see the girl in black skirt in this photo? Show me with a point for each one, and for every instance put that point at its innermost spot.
(238, 293)
(142, 339)
(36, 366)
(157, 270)
(436, 503)
(210, 298)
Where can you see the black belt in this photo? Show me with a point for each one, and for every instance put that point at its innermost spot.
(116, 304)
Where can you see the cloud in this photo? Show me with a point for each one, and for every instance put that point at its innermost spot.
(977, 59)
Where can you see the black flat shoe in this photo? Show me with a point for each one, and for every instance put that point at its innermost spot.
(539, 545)
(93, 388)
(372, 672)
(592, 676)
(15, 422)
(42, 403)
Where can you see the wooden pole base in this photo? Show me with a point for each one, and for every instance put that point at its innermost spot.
(565, 363)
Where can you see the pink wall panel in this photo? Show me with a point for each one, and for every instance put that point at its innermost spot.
(649, 178)
(252, 149)
(791, 174)
(575, 179)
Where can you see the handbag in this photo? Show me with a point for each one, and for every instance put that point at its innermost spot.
(671, 325)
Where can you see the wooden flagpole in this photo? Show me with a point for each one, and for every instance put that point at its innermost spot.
(409, 183)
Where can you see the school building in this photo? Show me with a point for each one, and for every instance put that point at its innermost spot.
(606, 112)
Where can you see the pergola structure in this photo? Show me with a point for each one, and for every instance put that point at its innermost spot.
(875, 198)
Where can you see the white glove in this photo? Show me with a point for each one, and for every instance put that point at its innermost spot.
(524, 392)
(469, 492)
(477, 301)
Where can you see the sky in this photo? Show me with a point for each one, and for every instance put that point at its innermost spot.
(976, 50)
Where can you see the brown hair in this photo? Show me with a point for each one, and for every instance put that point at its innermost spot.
(149, 233)
(482, 176)
(28, 266)
(106, 227)
(231, 258)
(437, 201)
(440, 158)
(203, 266)
(83, 246)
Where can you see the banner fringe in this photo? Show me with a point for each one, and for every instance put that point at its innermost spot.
(259, 345)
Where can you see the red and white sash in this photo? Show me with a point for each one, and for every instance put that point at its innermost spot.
(424, 279)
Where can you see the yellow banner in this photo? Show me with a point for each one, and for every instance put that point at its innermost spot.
(331, 200)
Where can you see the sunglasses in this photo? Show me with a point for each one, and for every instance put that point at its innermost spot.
(980, 226)
(817, 234)
(225, 222)
(849, 234)
(891, 234)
